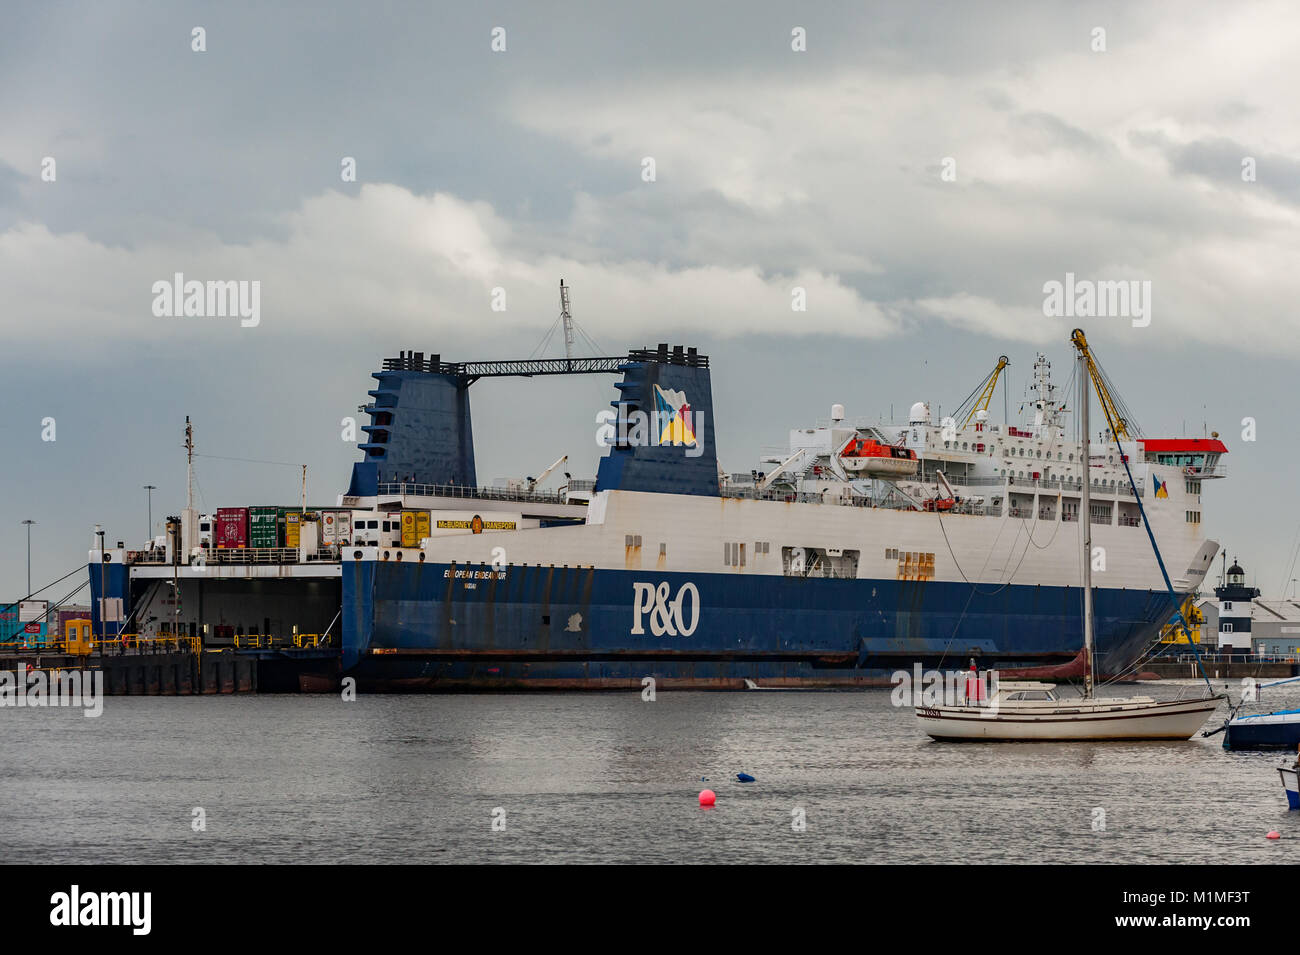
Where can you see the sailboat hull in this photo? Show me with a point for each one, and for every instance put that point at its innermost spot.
(1291, 786)
(1177, 719)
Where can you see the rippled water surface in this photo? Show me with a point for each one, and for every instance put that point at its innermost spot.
(607, 777)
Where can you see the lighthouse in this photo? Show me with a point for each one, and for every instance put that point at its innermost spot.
(1236, 601)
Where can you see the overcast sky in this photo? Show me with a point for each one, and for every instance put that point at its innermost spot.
(822, 169)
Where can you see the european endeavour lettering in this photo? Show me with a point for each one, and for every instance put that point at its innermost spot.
(666, 616)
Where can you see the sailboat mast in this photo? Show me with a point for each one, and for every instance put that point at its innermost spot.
(1085, 507)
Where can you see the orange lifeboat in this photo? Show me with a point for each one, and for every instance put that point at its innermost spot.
(870, 457)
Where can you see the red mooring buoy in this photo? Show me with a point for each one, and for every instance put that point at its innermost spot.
(707, 797)
(1272, 835)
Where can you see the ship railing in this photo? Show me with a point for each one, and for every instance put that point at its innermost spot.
(1235, 658)
(404, 489)
(241, 555)
(267, 555)
(1130, 521)
(124, 644)
(146, 557)
(272, 641)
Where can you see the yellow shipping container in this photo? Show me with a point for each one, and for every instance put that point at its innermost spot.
(292, 528)
(409, 529)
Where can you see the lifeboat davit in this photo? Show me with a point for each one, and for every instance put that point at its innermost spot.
(868, 456)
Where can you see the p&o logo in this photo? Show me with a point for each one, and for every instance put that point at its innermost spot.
(666, 616)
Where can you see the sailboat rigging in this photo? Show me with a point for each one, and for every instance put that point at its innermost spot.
(1033, 711)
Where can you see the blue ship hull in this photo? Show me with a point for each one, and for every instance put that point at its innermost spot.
(1245, 733)
(422, 626)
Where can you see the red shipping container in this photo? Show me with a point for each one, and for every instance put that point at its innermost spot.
(232, 527)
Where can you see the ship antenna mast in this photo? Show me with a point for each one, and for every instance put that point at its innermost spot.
(566, 317)
(189, 464)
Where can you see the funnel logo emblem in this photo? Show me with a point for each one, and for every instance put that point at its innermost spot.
(673, 416)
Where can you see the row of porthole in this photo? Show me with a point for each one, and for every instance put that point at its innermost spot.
(1096, 482)
(357, 555)
(1038, 453)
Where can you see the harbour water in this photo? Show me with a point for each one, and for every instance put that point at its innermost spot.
(610, 778)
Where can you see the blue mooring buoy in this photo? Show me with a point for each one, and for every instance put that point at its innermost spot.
(745, 777)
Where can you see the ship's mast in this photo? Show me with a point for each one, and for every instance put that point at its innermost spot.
(189, 464)
(1047, 413)
(1085, 506)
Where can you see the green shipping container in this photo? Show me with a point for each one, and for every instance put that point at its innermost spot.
(264, 527)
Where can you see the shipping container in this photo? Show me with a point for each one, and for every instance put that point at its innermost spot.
(69, 612)
(421, 526)
(231, 527)
(292, 522)
(264, 527)
(336, 527)
(408, 529)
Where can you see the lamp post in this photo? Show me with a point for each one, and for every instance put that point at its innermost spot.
(149, 489)
(29, 524)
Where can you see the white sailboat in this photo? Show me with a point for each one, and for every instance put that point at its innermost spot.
(1033, 711)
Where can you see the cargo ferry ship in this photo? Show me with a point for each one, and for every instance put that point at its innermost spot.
(857, 550)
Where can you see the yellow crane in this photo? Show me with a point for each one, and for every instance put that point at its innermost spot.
(986, 395)
(1176, 632)
(1118, 426)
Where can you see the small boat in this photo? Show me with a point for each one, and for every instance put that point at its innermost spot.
(1291, 785)
(868, 456)
(1280, 730)
(751, 685)
(1033, 711)
(1277, 730)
